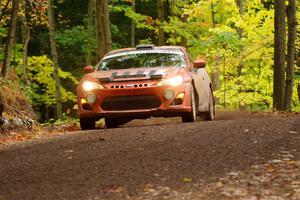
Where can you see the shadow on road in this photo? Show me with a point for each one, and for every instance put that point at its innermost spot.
(227, 115)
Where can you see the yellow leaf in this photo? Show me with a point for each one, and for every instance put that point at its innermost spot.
(187, 180)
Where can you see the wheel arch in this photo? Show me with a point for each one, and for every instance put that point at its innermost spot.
(213, 97)
(196, 94)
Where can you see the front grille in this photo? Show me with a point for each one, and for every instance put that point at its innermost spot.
(130, 103)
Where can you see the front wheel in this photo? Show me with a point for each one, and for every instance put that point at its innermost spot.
(87, 123)
(191, 116)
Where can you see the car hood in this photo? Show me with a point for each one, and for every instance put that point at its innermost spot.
(135, 73)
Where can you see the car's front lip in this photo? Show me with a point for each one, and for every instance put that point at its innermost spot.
(165, 108)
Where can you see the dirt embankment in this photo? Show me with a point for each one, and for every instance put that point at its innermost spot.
(15, 110)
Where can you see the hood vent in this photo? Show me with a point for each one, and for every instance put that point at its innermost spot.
(129, 86)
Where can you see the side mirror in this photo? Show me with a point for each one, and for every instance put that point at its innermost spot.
(88, 69)
(199, 64)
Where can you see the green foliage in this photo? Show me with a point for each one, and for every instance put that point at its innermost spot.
(16, 52)
(252, 91)
(76, 43)
(142, 21)
(3, 32)
(41, 92)
(80, 36)
(211, 32)
(246, 63)
(80, 41)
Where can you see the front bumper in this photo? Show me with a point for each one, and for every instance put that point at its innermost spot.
(163, 108)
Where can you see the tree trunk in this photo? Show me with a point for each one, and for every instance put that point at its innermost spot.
(298, 90)
(172, 12)
(216, 79)
(103, 33)
(240, 4)
(160, 12)
(291, 18)
(216, 72)
(52, 33)
(91, 8)
(279, 55)
(99, 31)
(10, 38)
(212, 13)
(183, 40)
(106, 25)
(25, 39)
(1, 111)
(0, 7)
(133, 26)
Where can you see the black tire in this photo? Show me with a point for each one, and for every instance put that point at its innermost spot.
(87, 123)
(191, 116)
(111, 122)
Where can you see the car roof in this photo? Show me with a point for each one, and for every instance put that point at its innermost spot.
(146, 47)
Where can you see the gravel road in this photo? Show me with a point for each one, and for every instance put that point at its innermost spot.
(239, 158)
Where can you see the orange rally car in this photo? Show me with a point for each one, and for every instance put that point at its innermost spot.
(145, 81)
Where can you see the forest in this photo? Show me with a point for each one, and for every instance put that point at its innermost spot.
(44, 45)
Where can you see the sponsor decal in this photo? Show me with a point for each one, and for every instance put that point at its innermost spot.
(139, 74)
(152, 74)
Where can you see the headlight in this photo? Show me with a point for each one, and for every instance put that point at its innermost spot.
(91, 98)
(169, 94)
(89, 86)
(174, 81)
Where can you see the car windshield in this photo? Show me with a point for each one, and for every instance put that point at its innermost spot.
(143, 59)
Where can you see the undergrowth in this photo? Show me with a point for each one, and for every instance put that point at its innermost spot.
(15, 103)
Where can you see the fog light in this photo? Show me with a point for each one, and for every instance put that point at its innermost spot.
(179, 99)
(83, 101)
(180, 96)
(169, 94)
(91, 98)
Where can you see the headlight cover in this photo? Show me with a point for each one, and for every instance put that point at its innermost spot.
(91, 98)
(89, 86)
(169, 94)
(174, 81)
